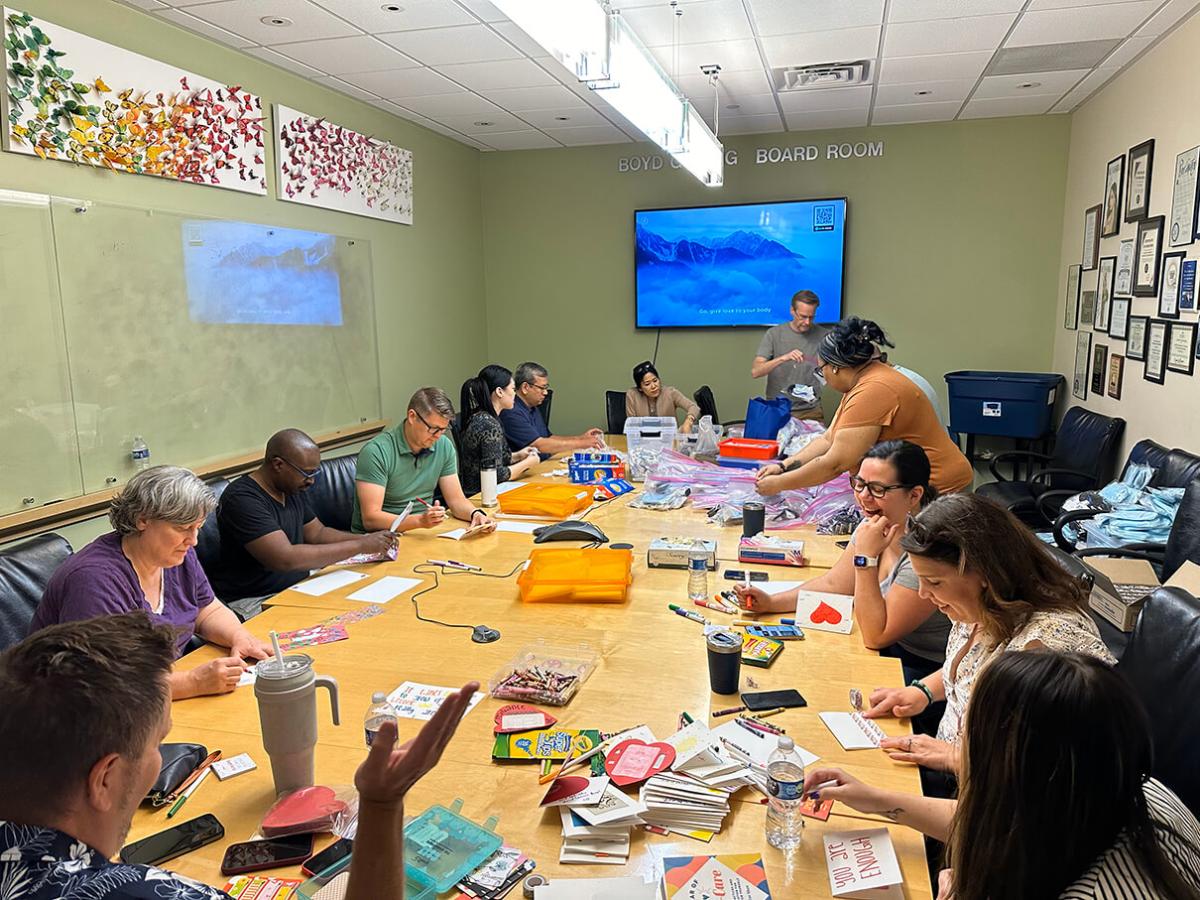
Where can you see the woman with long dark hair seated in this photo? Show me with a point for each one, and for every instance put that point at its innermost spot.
(1056, 797)
(649, 397)
(483, 444)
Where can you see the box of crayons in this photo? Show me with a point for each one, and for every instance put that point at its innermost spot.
(760, 651)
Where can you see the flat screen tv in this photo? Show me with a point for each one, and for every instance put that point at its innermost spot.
(735, 265)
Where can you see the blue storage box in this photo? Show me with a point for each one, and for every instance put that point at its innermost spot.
(1005, 404)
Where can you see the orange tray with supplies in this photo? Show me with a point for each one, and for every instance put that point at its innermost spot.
(549, 500)
(567, 575)
(746, 448)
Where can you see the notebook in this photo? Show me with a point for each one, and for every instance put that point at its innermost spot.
(852, 730)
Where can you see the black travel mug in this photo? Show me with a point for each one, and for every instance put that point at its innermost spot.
(753, 518)
(724, 661)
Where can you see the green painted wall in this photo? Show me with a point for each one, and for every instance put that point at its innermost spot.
(953, 238)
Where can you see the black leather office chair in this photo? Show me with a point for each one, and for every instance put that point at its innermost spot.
(208, 542)
(1160, 663)
(25, 569)
(544, 409)
(332, 494)
(614, 411)
(456, 431)
(1082, 460)
(708, 406)
(1114, 638)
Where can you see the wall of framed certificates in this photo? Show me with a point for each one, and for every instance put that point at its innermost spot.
(1131, 243)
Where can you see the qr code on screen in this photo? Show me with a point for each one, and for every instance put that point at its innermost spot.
(822, 218)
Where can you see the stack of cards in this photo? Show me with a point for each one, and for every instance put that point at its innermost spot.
(604, 835)
(497, 876)
(683, 805)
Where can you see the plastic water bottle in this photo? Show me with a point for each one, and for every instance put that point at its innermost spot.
(785, 786)
(378, 712)
(140, 454)
(698, 571)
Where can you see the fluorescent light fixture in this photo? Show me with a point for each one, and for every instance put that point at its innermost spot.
(702, 154)
(574, 32)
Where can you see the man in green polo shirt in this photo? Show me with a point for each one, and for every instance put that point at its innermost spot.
(405, 464)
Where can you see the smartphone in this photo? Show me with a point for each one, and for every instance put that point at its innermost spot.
(184, 838)
(772, 700)
(251, 856)
(335, 852)
(739, 575)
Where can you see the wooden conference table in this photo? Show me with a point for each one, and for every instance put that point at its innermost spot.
(652, 667)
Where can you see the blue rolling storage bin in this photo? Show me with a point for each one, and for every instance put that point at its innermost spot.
(1005, 404)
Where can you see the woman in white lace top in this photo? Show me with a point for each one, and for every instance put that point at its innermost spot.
(1003, 592)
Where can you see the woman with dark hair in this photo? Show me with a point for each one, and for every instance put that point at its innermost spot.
(482, 443)
(1003, 592)
(891, 486)
(648, 397)
(880, 404)
(1057, 800)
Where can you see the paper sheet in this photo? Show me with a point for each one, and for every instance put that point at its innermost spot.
(859, 863)
(420, 701)
(757, 750)
(385, 589)
(519, 527)
(323, 584)
(852, 730)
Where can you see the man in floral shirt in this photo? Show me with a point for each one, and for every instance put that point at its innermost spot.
(85, 706)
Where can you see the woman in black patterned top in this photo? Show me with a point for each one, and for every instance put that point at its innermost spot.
(483, 444)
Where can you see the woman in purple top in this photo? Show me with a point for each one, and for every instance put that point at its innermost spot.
(148, 563)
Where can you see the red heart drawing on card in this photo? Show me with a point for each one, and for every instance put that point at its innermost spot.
(310, 806)
(632, 761)
(824, 613)
(519, 717)
(564, 787)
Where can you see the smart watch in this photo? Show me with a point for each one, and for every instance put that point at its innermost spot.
(865, 562)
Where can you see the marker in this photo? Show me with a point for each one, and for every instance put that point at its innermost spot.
(728, 712)
(184, 796)
(451, 564)
(686, 718)
(462, 565)
(687, 613)
(715, 606)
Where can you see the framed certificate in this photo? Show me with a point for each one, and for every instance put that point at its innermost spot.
(1071, 317)
(1148, 253)
(1091, 238)
(1114, 179)
(1087, 309)
(1183, 199)
(1137, 186)
(1168, 298)
(1118, 322)
(1123, 286)
(1187, 286)
(1104, 291)
(1083, 350)
(1135, 344)
(1156, 352)
(1099, 368)
(1116, 375)
(1181, 347)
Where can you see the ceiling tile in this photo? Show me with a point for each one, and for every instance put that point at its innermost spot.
(915, 112)
(498, 121)
(338, 56)
(190, 22)
(838, 118)
(589, 134)
(337, 84)
(921, 10)
(487, 12)
(956, 90)
(1127, 51)
(549, 96)
(1084, 89)
(400, 83)
(1009, 106)
(439, 105)
(822, 46)
(518, 38)
(858, 97)
(519, 140)
(1050, 57)
(766, 124)
(549, 118)
(461, 44)
(370, 16)
(510, 73)
(746, 104)
(185, 2)
(704, 20)
(947, 35)
(903, 69)
(1045, 83)
(731, 56)
(144, 4)
(244, 17)
(789, 16)
(1167, 17)
(283, 62)
(1035, 5)
(1112, 20)
(733, 82)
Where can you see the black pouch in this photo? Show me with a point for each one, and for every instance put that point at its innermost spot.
(178, 762)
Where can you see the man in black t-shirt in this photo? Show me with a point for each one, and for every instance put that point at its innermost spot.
(270, 538)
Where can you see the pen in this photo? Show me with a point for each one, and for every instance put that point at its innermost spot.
(463, 565)
(728, 712)
(184, 796)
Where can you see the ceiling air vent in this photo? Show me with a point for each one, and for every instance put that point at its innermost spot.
(822, 75)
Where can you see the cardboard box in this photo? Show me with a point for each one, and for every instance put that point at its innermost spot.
(772, 550)
(1120, 612)
(672, 553)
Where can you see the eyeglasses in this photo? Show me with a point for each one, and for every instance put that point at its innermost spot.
(820, 370)
(310, 475)
(544, 388)
(434, 431)
(874, 488)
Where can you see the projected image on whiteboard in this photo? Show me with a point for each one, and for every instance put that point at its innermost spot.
(738, 265)
(239, 273)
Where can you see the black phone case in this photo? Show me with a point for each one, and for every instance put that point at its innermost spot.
(215, 834)
(773, 700)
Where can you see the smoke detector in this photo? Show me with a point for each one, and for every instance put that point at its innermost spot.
(822, 75)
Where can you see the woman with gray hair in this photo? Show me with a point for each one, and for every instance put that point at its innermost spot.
(147, 563)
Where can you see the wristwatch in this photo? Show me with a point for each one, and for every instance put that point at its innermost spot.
(865, 562)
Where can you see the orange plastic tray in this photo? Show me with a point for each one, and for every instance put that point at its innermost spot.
(551, 500)
(747, 448)
(567, 575)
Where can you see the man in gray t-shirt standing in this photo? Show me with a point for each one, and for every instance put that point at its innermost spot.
(787, 355)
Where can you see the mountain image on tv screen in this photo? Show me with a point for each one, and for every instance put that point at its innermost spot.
(738, 265)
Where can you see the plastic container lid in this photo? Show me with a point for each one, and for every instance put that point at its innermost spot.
(441, 846)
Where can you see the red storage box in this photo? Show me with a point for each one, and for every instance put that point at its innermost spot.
(746, 448)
